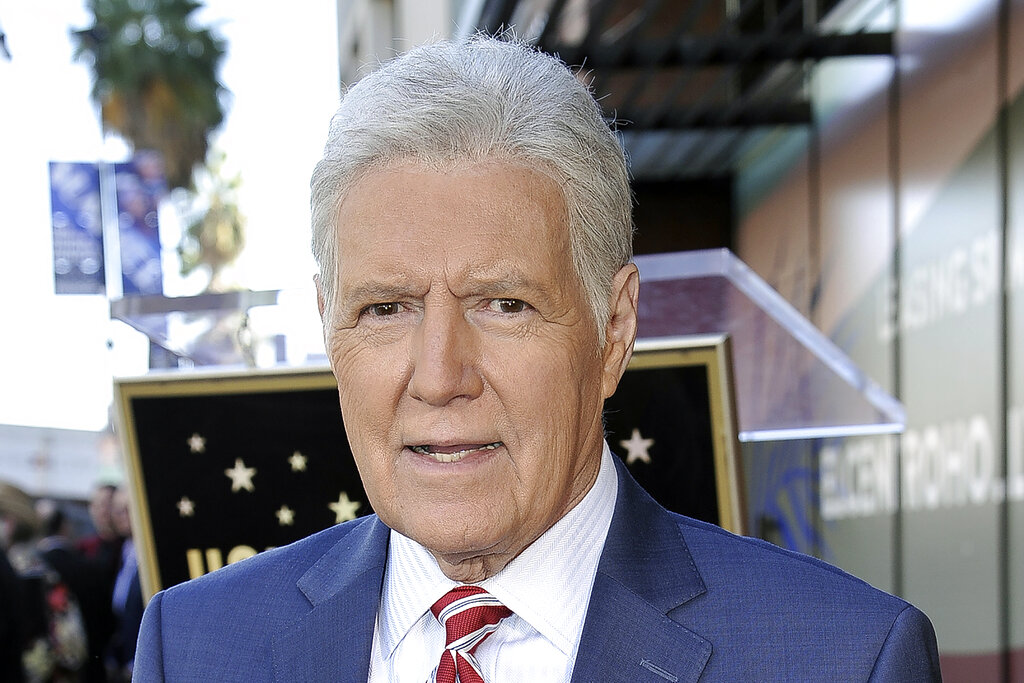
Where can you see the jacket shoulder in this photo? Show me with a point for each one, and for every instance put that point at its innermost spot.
(770, 610)
(747, 564)
(220, 625)
(265, 574)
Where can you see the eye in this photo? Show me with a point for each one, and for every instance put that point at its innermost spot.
(507, 305)
(382, 310)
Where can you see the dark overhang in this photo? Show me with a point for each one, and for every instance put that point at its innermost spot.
(694, 85)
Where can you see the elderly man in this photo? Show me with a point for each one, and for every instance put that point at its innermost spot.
(472, 225)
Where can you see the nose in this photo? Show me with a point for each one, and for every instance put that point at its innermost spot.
(442, 352)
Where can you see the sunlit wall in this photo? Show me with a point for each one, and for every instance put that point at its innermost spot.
(888, 230)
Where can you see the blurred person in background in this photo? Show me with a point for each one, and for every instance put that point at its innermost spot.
(102, 554)
(53, 643)
(11, 611)
(88, 578)
(104, 544)
(10, 623)
(57, 546)
(126, 599)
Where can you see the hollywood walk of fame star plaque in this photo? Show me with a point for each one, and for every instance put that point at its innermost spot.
(673, 422)
(225, 464)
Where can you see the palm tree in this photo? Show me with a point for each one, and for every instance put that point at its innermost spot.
(215, 232)
(155, 78)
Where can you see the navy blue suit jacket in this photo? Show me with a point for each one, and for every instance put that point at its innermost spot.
(674, 600)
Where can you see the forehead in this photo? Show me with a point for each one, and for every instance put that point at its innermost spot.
(471, 217)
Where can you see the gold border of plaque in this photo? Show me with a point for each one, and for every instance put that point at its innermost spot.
(712, 352)
(197, 383)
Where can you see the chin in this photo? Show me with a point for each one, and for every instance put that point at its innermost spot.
(454, 543)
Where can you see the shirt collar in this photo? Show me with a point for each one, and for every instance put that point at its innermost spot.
(543, 585)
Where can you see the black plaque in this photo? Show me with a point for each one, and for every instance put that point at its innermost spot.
(672, 421)
(224, 467)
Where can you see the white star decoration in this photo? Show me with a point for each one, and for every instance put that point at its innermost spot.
(344, 509)
(637, 447)
(241, 476)
(186, 508)
(285, 516)
(298, 462)
(196, 444)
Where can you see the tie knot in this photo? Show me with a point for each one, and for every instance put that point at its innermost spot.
(469, 614)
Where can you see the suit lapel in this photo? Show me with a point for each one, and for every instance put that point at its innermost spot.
(333, 640)
(645, 571)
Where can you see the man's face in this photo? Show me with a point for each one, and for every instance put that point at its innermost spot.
(100, 508)
(467, 358)
(120, 515)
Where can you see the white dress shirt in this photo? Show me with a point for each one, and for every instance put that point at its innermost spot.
(547, 587)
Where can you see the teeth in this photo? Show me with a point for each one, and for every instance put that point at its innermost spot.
(454, 456)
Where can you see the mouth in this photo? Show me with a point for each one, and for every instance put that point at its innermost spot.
(453, 453)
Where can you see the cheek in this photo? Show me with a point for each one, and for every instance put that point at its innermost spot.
(368, 406)
(362, 369)
(369, 420)
(551, 395)
(346, 351)
(370, 384)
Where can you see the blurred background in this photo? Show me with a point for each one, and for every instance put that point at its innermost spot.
(277, 89)
(864, 157)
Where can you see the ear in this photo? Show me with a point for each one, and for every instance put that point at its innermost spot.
(620, 332)
(321, 304)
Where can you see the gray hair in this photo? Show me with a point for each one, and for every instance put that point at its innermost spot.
(448, 102)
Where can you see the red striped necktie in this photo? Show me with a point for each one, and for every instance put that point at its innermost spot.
(469, 614)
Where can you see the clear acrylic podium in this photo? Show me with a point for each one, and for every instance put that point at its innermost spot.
(791, 381)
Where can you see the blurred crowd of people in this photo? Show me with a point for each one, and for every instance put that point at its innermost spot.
(70, 599)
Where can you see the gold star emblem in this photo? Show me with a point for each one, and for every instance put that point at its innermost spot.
(285, 516)
(344, 509)
(298, 462)
(186, 508)
(241, 476)
(196, 444)
(637, 447)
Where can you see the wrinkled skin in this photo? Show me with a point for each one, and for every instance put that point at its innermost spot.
(469, 367)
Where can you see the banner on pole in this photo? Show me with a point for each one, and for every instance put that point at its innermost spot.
(77, 219)
(140, 185)
(77, 228)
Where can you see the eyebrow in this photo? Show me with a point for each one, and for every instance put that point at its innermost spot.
(375, 291)
(476, 283)
(515, 285)
(483, 284)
